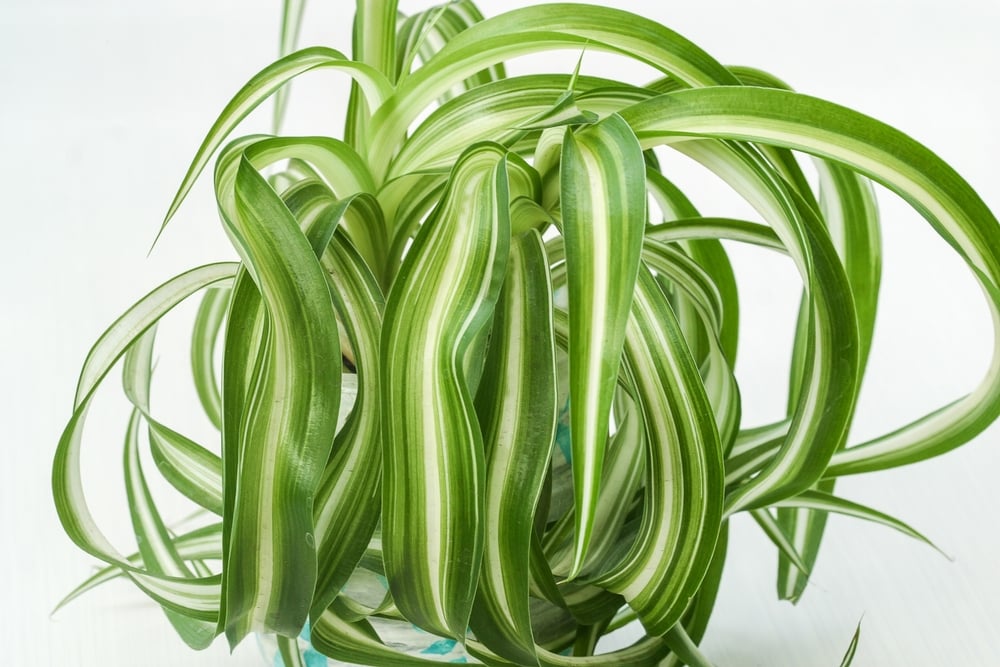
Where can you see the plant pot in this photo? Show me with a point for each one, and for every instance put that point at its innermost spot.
(400, 635)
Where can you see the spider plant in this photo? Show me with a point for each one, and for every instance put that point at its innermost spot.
(473, 370)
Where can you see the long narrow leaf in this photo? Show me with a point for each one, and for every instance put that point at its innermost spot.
(517, 410)
(204, 336)
(158, 552)
(291, 26)
(200, 544)
(603, 197)
(432, 515)
(348, 500)
(683, 496)
(825, 502)
(259, 88)
(199, 598)
(287, 440)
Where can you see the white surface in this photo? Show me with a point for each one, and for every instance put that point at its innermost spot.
(102, 105)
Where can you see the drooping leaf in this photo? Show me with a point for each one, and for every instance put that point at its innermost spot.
(284, 447)
(517, 411)
(603, 198)
(434, 467)
(889, 157)
(682, 515)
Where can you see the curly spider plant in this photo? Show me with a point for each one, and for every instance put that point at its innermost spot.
(477, 356)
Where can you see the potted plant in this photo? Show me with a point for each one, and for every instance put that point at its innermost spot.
(476, 367)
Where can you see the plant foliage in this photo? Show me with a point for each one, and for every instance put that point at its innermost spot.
(477, 370)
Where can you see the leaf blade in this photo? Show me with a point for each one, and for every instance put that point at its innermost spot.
(451, 278)
(603, 196)
(517, 410)
(270, 571)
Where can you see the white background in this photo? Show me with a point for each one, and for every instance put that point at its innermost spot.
(102, 104)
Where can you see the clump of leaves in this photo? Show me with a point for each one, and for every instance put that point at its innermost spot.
(473, 380)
